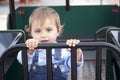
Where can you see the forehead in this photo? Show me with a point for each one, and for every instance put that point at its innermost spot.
(46, 22)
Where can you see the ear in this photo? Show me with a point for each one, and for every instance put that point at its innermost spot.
(58, 34)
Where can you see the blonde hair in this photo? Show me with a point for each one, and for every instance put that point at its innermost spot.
(43, 12)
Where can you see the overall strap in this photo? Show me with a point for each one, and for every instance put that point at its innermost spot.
(35, 57)
(57, 54)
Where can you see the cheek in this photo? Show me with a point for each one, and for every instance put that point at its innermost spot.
(54, 36)
(56, 33)
(34, 36)
(37, 37)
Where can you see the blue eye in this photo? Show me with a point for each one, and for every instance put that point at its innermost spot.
(49, 29)
(37, 31)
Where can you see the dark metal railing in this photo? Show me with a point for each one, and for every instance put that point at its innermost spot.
(113, 39)
(48, 47)
(67, 5)
(12, 18)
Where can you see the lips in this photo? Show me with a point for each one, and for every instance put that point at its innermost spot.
(44, 41)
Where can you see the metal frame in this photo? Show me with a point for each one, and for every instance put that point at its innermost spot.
(12, 14)
(59, 45)
(111, 38)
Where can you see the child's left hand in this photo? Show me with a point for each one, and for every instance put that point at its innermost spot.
(72, 42)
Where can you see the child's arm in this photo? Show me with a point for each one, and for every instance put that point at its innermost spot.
(79, 54)
(74, 42)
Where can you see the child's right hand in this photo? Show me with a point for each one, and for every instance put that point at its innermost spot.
(32, 43)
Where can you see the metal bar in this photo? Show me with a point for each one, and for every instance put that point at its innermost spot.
(1, 71)
(98, 63)
(67, 5)
(25, 64)
(114, 69)
(73, 64)
(12, 14)
(62, 45)
(49, 64)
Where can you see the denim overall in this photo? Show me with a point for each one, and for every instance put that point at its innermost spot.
(40, 72)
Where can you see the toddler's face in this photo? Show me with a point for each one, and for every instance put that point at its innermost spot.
(47, 33)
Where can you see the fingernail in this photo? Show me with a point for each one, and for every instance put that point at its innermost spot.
(73, 45)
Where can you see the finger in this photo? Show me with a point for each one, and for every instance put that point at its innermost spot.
(34, 44)
(69, 42)
(31, 44)
(27, 43)
(75, 42)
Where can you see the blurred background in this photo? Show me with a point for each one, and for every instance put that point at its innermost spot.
(4, 6)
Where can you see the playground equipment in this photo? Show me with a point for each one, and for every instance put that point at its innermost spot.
(98, 45)
(87, 23)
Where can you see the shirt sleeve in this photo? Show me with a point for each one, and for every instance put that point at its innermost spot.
(66, 55)
(19, 58)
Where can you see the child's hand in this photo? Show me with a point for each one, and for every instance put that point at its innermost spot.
(32, 43)
(72, 42)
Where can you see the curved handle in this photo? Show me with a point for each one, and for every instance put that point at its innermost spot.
(67, 5)
(58, 45)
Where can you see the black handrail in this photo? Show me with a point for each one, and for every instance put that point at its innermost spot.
(67, 5)
(12, 23)
(112, 39)
(60, 45)
(103, 30)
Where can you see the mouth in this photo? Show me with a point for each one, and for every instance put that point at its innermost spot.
(44, 41)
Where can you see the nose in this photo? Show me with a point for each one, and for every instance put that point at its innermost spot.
(43, 34)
